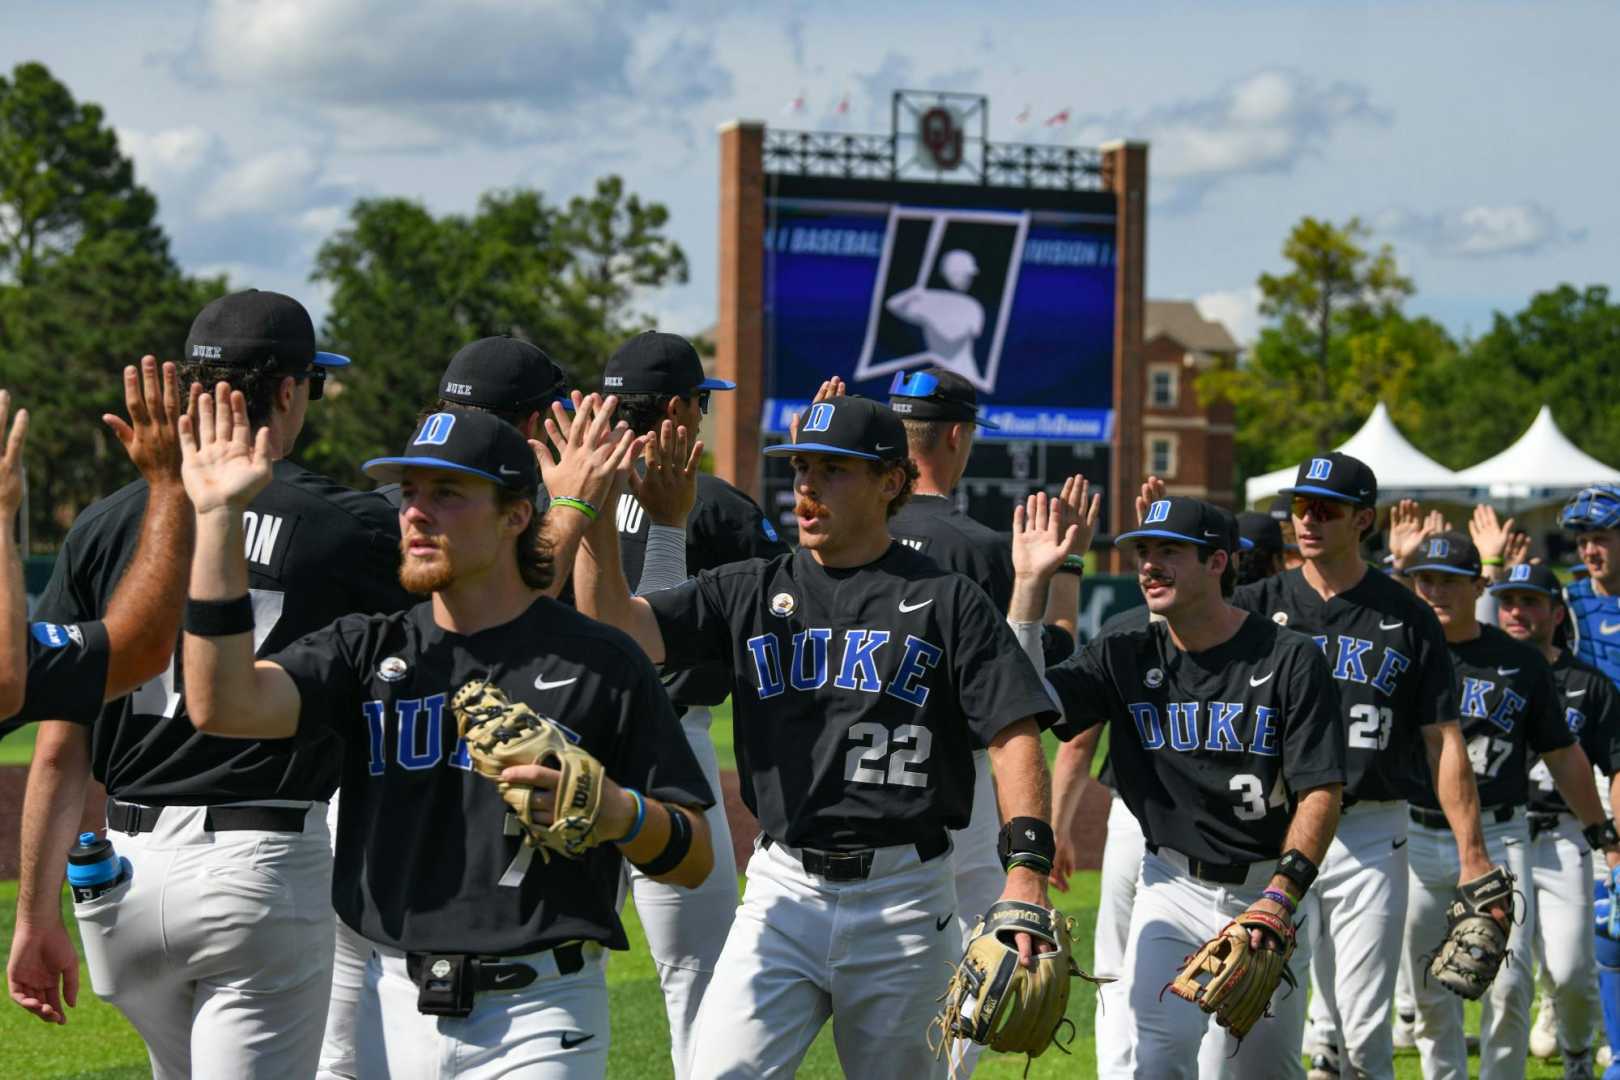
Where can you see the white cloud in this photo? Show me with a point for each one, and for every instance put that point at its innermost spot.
(163, 158)
(1236, 309)
(277, 181)
(1480, 231)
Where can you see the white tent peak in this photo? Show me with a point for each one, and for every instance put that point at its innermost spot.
(1542, 462)
(1401, 468)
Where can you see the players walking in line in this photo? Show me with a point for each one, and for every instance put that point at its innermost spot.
(1387, 654)
(233, 832)
(863, 677)
(1510, 710)
(48, 671)
(1531, 610)
(660, 384)
(1228, 745)
(466, 926)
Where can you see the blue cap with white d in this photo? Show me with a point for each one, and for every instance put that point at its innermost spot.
(477, 443)
(1335, 476)
(1193, 521)
(1530, 578)
(848, 427)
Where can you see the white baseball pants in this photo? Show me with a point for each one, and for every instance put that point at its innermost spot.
(219, 948)
(1561, 873)
(873, 955)
(1504, 1022)
(556, 1028)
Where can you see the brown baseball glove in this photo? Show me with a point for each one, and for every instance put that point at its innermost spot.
(500, 733)
(1229, 977)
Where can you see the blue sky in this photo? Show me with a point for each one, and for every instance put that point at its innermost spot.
(1474, 137)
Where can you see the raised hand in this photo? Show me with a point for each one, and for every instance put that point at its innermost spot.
(667, 487)
(1152, 491)
(1078, 506)
(1406, 531)
(1517, 549)
(1490, 535)
(590, 451)
(223, 463)
(1041, 539)
(12, 478)
(151, 437)
(830, 388)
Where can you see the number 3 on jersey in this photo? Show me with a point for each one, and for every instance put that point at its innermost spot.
(1252, 802)
(863, 764)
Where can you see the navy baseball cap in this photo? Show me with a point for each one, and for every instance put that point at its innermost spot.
(461, 440)
(1448, 553)
(257, 330)
(848, 427)
(654, 362)
(1191, 520)
(1531, 578)
(501, 373)
(1336, 476)
(1258, 530)
(935, 394)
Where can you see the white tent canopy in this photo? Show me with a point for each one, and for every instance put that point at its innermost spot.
(1402, 469)
(1542, 464)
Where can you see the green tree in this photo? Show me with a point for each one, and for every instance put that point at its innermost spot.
(410, 288)
(1562, 349)
(1336, 344)
(87, 285)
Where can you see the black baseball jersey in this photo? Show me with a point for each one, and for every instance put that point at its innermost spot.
(725, 526)
(1210, 749)
(1386, 650)
(1510, 712)
(315, 551)
(1592, 712)
(858, 694)
(66, 676)
(1121, 622)
(425, 860)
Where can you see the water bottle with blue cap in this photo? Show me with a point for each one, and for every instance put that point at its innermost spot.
(94, 869)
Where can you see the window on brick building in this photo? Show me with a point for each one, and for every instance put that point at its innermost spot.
(1162, 386)
(1162, 456)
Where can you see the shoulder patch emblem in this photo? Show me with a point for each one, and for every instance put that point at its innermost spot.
(1154, 678)
(783, 604)
(54, 635)
(769, 531)
(391, 669)
(1280, 618)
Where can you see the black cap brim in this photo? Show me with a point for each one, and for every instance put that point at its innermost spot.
(1321, 493)
(391, 470)
(786, 449)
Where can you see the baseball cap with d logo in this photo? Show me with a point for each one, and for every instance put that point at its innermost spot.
(1529, 578)
(1447, 553)
(848, 427)
(1191, 520)
(477, 443)
(1336, 476)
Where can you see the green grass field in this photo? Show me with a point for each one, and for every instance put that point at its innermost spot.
(97, 1044)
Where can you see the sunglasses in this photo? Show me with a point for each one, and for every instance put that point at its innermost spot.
(703, 401)
(1320, 509)
(317, 381)
(917, 384)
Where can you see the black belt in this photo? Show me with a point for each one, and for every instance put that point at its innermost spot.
(133, 818)
(857, 865)
(1542, 821)
(1436, 819)
(495, 972)
(1214, 873)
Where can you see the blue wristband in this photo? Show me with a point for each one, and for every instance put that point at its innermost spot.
(1281, 899)
(641, 817)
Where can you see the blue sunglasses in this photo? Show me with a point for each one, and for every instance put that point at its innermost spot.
(917, 384)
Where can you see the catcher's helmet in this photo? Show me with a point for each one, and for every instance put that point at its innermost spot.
(1595, 507)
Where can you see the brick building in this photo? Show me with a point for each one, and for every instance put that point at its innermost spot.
(1187, 444)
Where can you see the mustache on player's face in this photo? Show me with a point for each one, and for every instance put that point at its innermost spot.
(804, 506)
(1155, 575)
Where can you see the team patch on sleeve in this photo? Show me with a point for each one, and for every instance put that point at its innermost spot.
(55, 635)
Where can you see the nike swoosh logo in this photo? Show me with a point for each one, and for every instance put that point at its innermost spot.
(1397, 845)
(540, 682)
(1208, 533)
(1573, 693)
(1390, 625)
(1607, 627)
(1261, 681)
(505, 977)
(1507, 671)
(881, 448)
(906, 608)
(569, 1044)
(508, 472)
(941, 924)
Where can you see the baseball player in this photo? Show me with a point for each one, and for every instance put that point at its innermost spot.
(485, 961)
(1510, 710)
(49, 671)
(659, 381)
(231, 834)
(1227, 741)
(863, 678)
(1593, 516)
(1531, 609)
(1387, 654)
